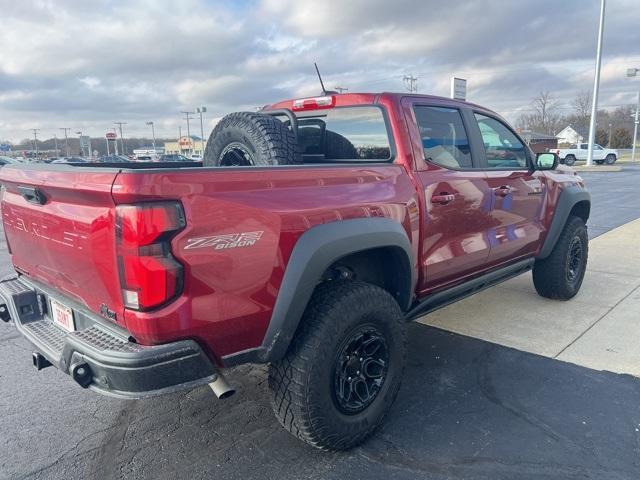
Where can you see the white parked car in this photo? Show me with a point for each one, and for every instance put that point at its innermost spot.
(575, 152)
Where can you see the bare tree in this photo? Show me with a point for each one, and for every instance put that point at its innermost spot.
(581, 110)
(543, 116)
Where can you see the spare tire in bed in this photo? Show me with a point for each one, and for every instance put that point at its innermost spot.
(246, 138)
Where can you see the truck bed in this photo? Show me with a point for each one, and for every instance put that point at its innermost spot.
(69, 241)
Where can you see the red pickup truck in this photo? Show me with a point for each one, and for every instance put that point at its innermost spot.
(311, 232)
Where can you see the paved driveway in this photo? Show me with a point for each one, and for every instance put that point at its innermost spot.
(467, 409)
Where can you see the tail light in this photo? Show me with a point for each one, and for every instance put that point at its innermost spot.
(314, 103)
(149, 275)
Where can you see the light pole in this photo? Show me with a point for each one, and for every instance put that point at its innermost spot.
(201, 110)
(153, 136)
(596, 87)
(186, 114)
(633, 72)
(66, 139)
(124, 152)
(55, 142)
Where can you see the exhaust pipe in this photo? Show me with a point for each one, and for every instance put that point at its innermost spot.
(221, 388)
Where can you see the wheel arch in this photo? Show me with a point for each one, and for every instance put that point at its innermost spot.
(573, 200)
(350, 243)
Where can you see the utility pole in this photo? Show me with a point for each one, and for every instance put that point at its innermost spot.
(124, 152)
(35, 140)
(66, 139)
(596, 87)
(81, 147)
(153, 136)
(411, 83)
(341, 89)
(115, 144)
(201, 110)
(186, 114)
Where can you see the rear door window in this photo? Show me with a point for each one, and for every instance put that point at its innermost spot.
(444, 138)
(344, 134)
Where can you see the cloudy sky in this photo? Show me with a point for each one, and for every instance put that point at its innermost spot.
(85, 64)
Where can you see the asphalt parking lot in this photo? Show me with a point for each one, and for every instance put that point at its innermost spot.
(467, 409)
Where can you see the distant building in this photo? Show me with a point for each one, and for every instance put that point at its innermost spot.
(571, 134)
(185, 146)
(539, 142)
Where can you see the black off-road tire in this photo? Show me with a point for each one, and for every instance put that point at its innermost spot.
(245, 139)
(569, 160)
(304, 393)
(610, 159)
(339, 147)
(557, 276)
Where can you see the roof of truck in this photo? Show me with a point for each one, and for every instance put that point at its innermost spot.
(368, 98)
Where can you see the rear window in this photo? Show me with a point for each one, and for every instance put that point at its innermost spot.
(344, 134)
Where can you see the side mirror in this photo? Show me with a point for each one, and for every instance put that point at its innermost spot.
(547, 161)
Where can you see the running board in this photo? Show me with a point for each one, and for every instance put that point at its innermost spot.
(450, 295)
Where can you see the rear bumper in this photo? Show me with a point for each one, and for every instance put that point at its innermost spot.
(99, 356)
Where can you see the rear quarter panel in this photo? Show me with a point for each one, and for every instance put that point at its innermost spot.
(229, 293)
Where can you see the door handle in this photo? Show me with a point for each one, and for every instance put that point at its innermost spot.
(502, 191)
(443, 198)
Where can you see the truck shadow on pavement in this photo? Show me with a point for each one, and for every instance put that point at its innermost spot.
(467, 409)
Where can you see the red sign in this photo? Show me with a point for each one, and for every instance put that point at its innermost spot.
(110, 136)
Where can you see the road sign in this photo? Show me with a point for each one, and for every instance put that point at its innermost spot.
(111, 136)
(5, 147)
(458, 88)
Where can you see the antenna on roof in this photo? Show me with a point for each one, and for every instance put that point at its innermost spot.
(324, 91)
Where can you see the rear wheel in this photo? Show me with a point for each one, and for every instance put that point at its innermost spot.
(246, 139)
(560, 275)
(569, 160)
(343, 370)
(610, 159)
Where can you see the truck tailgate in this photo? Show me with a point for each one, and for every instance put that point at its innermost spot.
(60, 230)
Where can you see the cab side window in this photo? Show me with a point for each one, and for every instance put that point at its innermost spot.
(504, 151)
(444, 138)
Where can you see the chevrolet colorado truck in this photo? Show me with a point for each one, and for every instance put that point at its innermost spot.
(312, 231)
(575, 152)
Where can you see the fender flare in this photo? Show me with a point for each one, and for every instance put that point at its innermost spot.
(569, 197)
(316, 250)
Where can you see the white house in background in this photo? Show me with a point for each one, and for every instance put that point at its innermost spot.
(571, 134)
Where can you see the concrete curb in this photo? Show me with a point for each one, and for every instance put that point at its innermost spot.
(598, 168)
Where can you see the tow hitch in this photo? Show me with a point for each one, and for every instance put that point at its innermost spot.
(39, 361)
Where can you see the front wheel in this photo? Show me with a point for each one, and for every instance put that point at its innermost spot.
(343, 370)
(560, 275)
(610, 159)
(569, 160)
